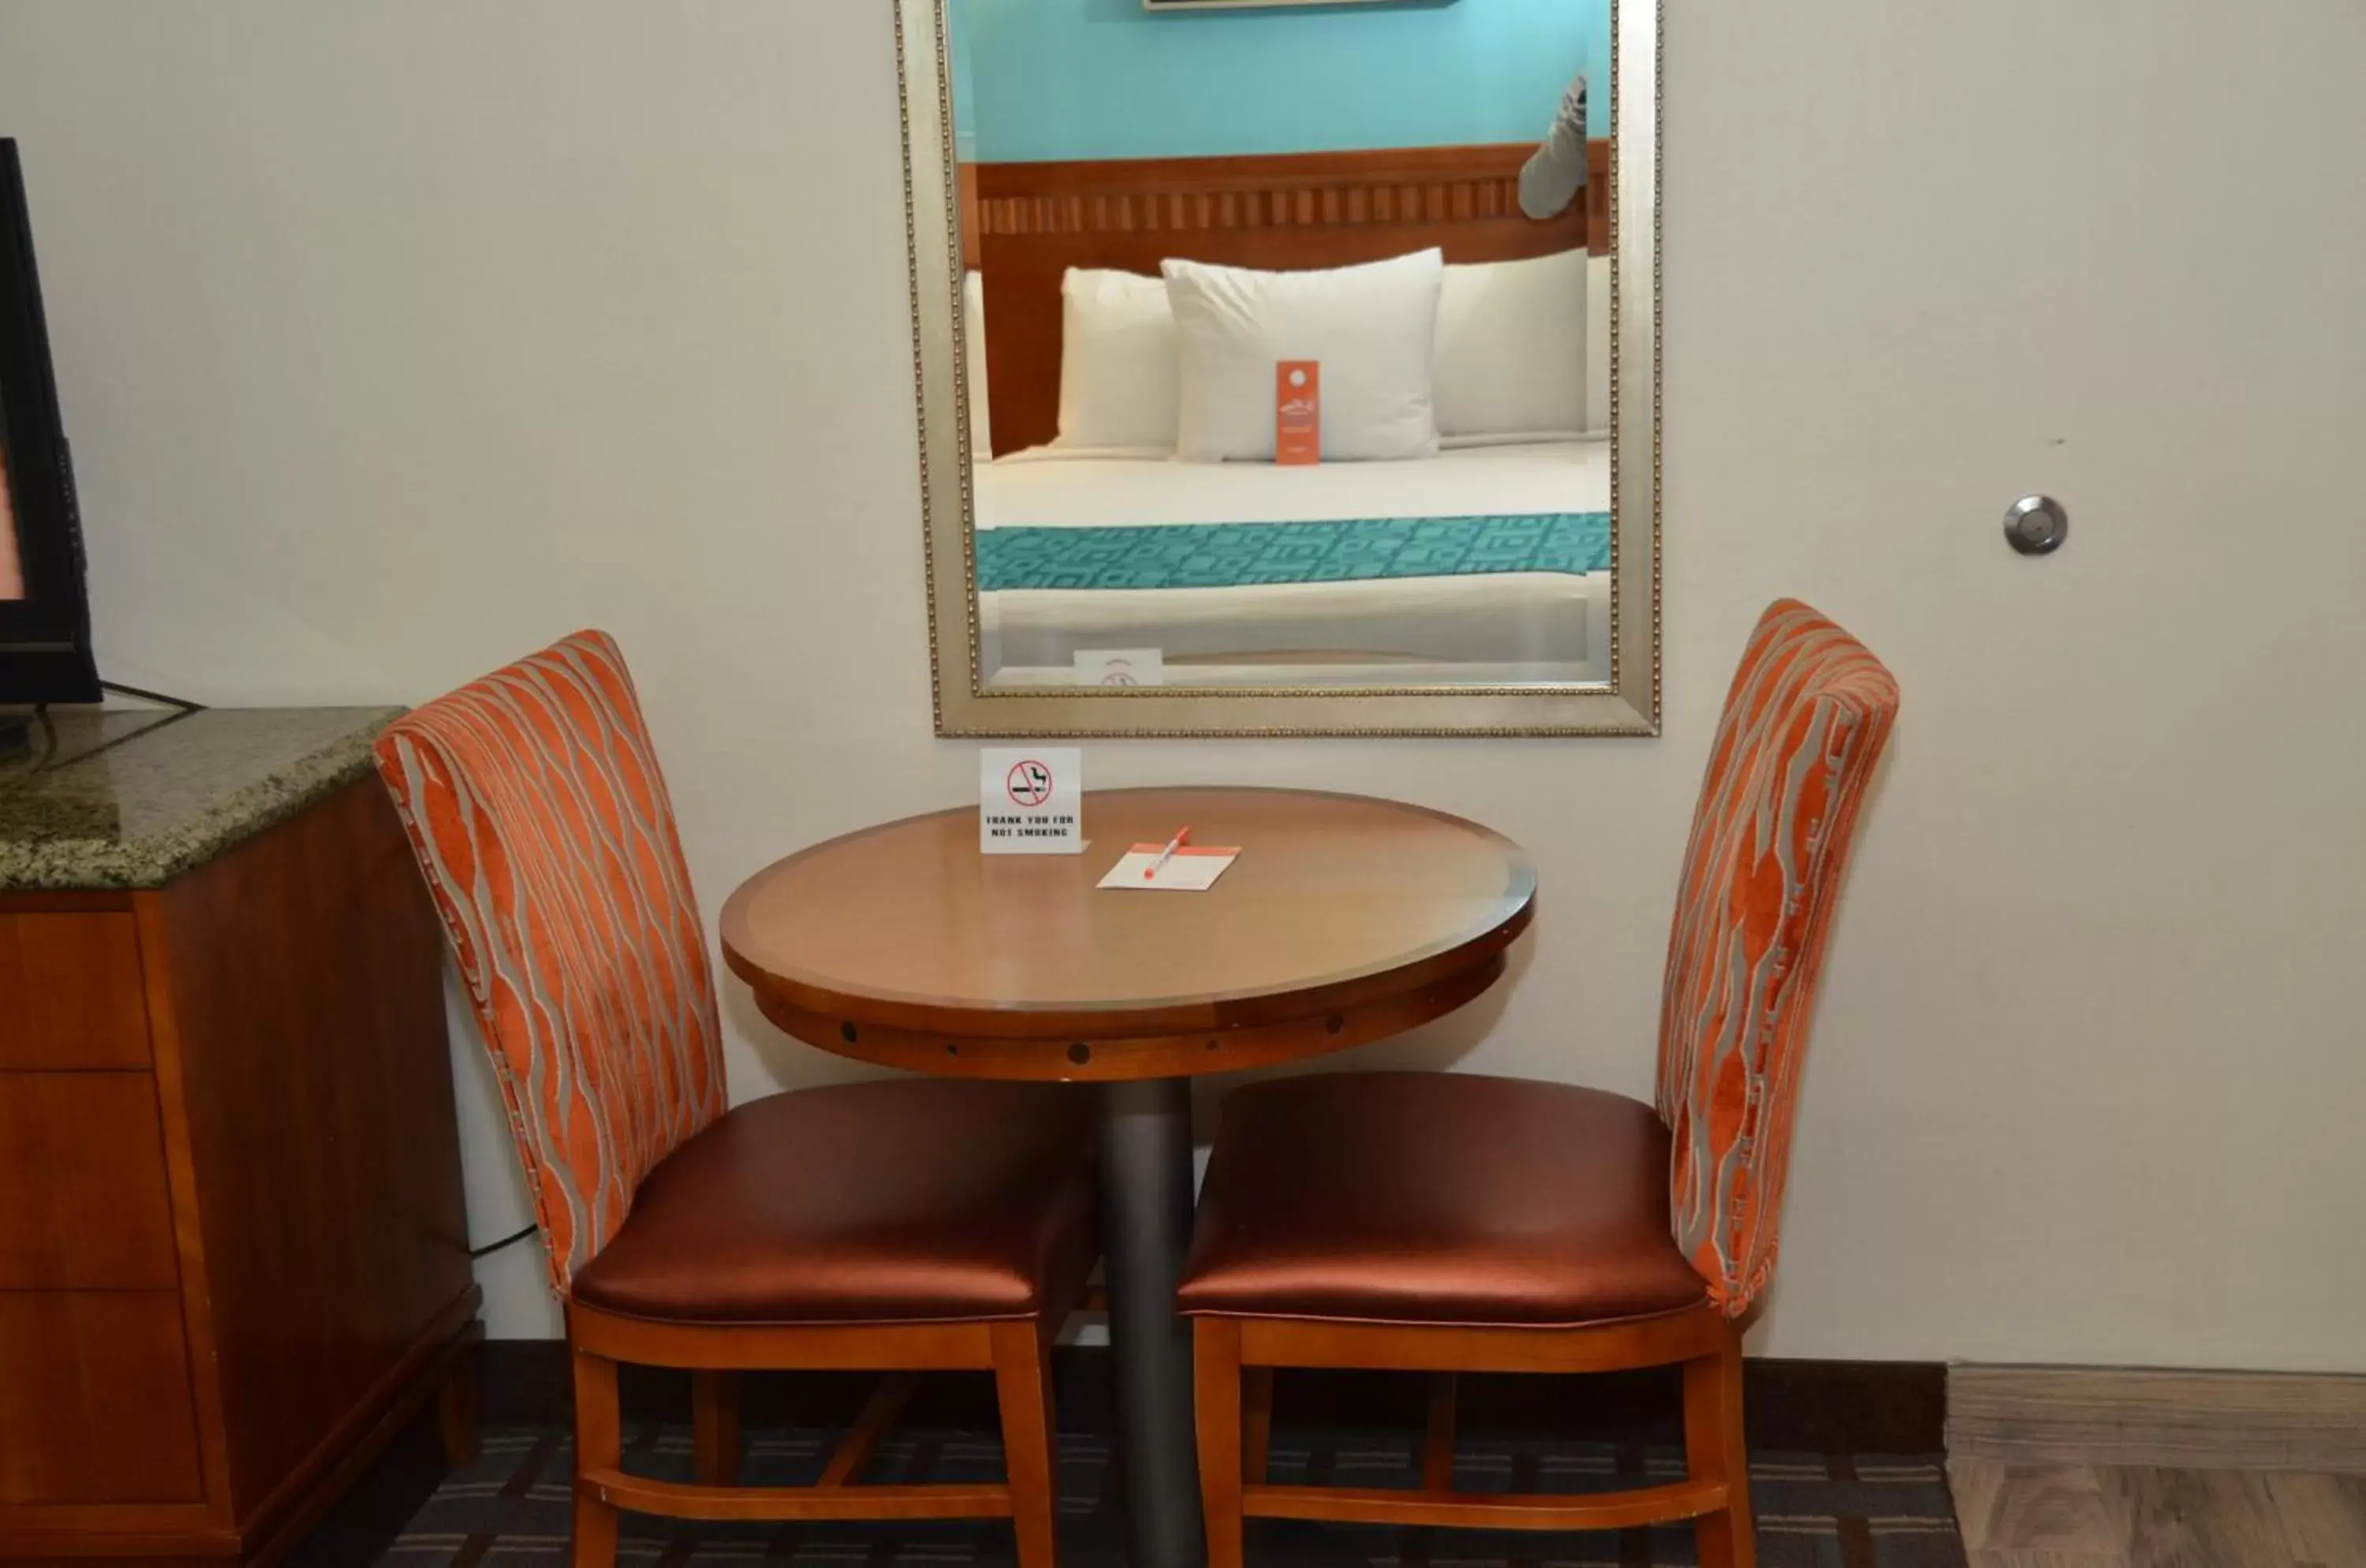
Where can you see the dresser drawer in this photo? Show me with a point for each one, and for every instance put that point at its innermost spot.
(95, 1401)
(88, 1207)
(71, 991)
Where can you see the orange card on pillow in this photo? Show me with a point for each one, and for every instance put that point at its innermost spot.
(1297, 411)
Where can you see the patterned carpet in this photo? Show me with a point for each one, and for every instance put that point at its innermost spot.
(1814, 1510)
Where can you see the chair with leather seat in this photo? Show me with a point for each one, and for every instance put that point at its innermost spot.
(1453, 1224)
(900, 1227)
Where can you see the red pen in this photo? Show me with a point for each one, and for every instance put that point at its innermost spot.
(1167, 854)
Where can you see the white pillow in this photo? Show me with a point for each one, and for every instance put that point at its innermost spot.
(981, 417)
(1373, 329)
(1511, 348)
(1597, 346)
(1116, 361)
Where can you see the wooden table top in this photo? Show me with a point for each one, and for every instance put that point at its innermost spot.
(1343, 917)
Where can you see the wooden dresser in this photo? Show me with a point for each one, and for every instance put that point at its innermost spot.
(233, 1256)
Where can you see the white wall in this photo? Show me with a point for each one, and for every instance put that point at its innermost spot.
(398, 337)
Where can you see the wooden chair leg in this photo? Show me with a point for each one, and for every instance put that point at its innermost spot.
(1022, 1384)
(714, 1427)
(1717, 1450)
(1256, 1422)
(1437, 1448)
(1216, 1361)
(599, 1445)
(455, 1412)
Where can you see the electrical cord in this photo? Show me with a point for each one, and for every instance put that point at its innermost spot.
(48, 737)
(48, 759)
(52, 763)
(488, 1250)
(147, 696)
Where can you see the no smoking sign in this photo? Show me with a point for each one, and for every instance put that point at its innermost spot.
(1029, 783)
(1029, 802)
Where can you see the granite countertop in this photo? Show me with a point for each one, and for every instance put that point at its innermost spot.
(112, 799)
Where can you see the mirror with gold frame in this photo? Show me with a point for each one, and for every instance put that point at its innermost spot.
(1286, 371)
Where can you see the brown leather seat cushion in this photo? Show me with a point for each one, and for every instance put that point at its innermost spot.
(890, 1201)
(1436, 1198)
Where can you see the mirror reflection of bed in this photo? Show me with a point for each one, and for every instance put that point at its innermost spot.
(1139, 315)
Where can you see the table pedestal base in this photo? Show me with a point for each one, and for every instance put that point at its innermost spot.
(1146, 1228)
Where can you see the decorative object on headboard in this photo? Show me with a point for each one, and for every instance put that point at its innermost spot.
(1033, 221)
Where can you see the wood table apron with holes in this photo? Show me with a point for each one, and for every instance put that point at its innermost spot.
(1346, 919)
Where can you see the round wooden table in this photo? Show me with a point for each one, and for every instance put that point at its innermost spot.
(1346, 919)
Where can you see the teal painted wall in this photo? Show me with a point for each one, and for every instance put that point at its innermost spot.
(965, 80)
(1052, 79)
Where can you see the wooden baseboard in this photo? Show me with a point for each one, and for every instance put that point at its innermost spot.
(2176, 1419)
(1879, 1407)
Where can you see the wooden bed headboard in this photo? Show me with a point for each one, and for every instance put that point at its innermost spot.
(1025, 224)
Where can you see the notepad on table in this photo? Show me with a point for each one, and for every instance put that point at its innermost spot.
(1190, 869)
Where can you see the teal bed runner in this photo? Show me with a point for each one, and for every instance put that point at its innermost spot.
(1237, 555)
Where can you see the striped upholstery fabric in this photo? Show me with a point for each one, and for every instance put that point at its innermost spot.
(535, 804)
(1805, 721)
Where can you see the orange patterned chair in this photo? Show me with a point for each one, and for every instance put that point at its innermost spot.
(1448, 1223)
(900, 1227)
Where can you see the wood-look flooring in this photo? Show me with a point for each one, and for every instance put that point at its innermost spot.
(2126, 1516)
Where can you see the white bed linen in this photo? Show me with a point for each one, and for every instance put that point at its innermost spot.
(1547, 623)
